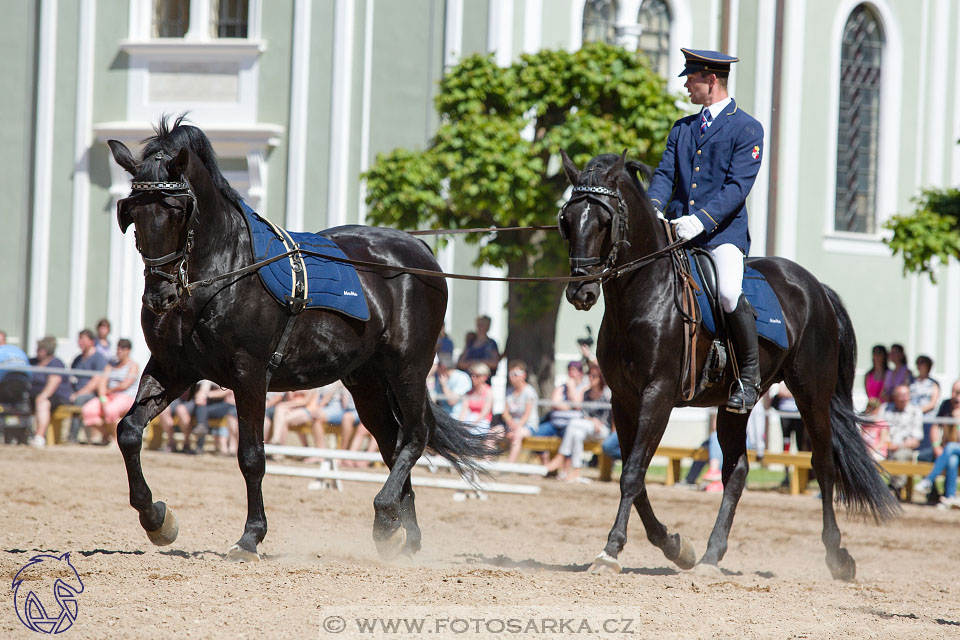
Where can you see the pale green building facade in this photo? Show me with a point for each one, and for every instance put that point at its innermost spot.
(298, 97)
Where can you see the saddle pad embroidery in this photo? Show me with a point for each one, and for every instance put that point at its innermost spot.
(329, 285)
(760, 294)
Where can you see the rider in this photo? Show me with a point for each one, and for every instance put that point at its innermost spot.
(706, 172)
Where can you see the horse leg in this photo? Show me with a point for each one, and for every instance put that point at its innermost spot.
(401, 431)
(250, 456)
(638, 448)
(732, 433)
(816, 420)
(155, 393)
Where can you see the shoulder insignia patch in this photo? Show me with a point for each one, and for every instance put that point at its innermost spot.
(756, 152)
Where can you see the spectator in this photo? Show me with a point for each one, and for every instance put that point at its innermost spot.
(906, 429)
(448, 385)
(875, 431)
(899, 375)
(444, 343)
(925, 393)
(873, 381)
(595, 424)
(948, 458)
(336, 407)
(564, 401)
(270, 406)
(13, 384)
(184, 410)
(520, 417)
(478, 403)
(296, 410)
(102, 341)
(85, 388)
(480, 349)
(47, 391)
(116, 391)
(213, 402)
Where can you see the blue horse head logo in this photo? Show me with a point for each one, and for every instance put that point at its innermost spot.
(33, 585)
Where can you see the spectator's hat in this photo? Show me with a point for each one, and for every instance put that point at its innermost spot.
(709, 61)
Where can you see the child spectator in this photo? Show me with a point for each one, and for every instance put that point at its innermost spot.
(478, 403)
(520, 417)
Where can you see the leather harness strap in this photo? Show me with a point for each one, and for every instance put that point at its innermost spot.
(690, 312)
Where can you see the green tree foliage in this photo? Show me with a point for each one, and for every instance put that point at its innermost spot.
(931, 232)
(494, 162)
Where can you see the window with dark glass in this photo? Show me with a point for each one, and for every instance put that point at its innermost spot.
(171, 18)
(859, 123)
(654, 42)
(229, 18)
(600, 21)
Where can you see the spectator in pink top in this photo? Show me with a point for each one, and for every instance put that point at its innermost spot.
(873, 381)
(478, 403)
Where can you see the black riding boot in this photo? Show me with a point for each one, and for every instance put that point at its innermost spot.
(743, 333)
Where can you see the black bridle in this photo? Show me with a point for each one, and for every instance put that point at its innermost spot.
(618, 225)
(175, 189)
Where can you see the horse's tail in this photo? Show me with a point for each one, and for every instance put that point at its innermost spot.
(455, 441)
(859, 484)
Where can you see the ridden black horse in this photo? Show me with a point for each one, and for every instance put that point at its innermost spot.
(189, 228)
(609, 222)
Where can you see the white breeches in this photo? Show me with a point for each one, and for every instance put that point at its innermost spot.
(729, 261)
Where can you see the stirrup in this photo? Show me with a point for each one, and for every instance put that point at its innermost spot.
(737, 401)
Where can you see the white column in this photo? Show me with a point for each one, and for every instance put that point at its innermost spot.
(532, 25)
(734, 21)
(491, 295)
(200, 16)
(43, 172)
(452, 50)
(83, 140)
(299, 116)
(790, 116)
(365, 107)
(257, 172)
(762, 104)
(934, 150)
(343, 15)
(951, 345)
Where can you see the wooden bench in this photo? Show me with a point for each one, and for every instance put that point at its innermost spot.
(675, 455)
(153, 433)
(62, 416)
(551, 444)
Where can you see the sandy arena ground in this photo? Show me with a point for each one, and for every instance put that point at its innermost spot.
(507, 557)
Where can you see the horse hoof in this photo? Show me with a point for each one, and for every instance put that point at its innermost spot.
(391, 546)
(687, 558)
(846, 568)
(168, 531)
(236, 554)
(605, 563)
(707, 570)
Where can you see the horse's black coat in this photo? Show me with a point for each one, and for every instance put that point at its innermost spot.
(227, 332)
(640, 346)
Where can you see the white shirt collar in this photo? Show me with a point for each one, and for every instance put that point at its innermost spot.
(717, 107)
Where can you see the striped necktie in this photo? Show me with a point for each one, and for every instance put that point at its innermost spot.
(705, 120)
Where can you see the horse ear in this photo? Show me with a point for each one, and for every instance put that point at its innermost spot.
(178, 166)
(573, 174)
(617, 169)
(123, 156)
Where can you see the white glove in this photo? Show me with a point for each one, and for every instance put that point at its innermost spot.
(660, 214)
(688, 227)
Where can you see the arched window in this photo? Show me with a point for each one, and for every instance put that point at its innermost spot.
(859, 120)
(600, 21)
(654, 19)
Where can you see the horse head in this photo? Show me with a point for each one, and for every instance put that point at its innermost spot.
(175, 177)
(595, 220)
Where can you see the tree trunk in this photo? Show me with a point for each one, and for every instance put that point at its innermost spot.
(532, 326)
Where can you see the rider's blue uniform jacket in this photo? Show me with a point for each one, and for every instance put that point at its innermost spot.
(710, 176)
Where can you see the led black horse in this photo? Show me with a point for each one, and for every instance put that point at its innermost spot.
(189, 227)
(610, 220)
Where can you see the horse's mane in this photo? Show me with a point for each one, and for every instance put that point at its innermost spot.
(593, 173)
(171, 139)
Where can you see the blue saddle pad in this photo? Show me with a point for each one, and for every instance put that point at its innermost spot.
(329, 284)
(760, 294)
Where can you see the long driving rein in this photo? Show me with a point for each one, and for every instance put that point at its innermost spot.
(610, 268)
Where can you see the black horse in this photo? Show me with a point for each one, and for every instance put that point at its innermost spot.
(189, 228)
(639, 349)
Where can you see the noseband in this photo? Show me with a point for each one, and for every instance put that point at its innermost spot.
(174, 189)
(618, 225)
